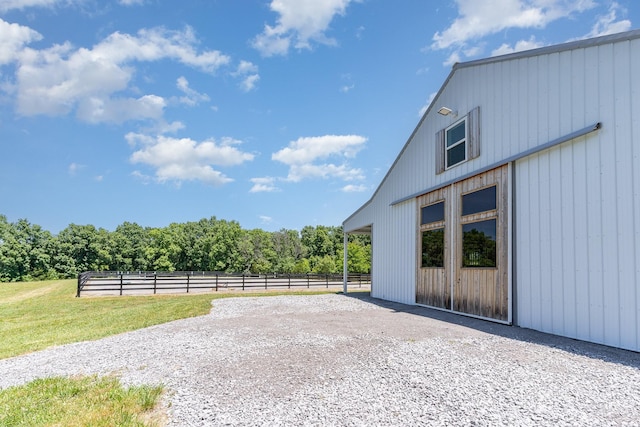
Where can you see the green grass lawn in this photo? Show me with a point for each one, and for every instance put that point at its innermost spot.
(37, 315)
(88, 401)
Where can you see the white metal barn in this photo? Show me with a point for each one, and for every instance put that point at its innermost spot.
(516, 198)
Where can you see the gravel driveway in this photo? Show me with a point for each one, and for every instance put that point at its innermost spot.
(356, 361)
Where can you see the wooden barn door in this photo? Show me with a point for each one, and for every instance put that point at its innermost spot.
(473, 277)
(433, 287)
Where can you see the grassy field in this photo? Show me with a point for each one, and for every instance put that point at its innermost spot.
(37, 315)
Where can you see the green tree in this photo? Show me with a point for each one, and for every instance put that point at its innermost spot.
(87, 246)
(288, 250)
(128, 246)
(160, 250)
(223, 253)
(25, 251)
(324, 265)
(359, 258)
(302, 266)
(258, 252)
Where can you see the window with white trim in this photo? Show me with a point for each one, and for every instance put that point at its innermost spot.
(456, 143)
(459, 142)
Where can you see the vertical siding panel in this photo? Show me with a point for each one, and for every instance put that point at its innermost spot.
(575, 240)
(497, 119)
(635, 136)
(564, 264)
(538, 297)
(555, 241)
(556, 116)
(624, 191)
(533, 117)
(594, 203)
(544, 231)
(609, 278)
(523, 244)
(580, 232)
(542, 188)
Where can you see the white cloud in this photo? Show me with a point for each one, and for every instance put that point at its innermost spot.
(477, 19)
(248, 73)
(350, 188)
(7, 5)
(452, 59)
(13, 38)
(145, 179)
(74, 168)
(184, 159)
(299, 23)
(480, 18)
(246, 67)
(265, 219)
(303, 154)
(131, 2)
(608, 24)
(347, 88)
(119, 110)
(327, 170)
(57, 80)
(348, 85)
(263, 185)
(249, 82)
(191, 97)
(520, 45)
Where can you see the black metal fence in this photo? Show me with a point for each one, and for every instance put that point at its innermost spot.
(146, 282)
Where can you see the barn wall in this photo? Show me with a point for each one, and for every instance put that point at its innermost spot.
(577, 206)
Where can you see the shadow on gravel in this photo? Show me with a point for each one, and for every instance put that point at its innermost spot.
(582, 348)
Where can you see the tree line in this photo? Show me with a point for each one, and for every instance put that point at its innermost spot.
(28, 252)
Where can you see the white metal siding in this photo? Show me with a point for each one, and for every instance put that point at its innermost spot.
(393, 263)
(577, 205)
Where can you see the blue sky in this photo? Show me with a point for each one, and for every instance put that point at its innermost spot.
(276, 114)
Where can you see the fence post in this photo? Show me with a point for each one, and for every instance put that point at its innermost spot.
(243, 281)
(289, 275)
(188, 281)
(155, 281)
(307, 280)
(327, 277)
(78, 293)
(121, 284)
(265, 281)
(216, 282)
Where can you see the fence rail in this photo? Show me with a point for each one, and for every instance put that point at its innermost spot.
(152, 282)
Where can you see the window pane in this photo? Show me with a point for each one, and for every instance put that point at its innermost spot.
(456, 134)
(479, 201)
(433, 213)
(433, 248)
(456, 154)
(479, 244)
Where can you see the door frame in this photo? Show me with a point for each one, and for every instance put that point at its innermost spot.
(500, 286)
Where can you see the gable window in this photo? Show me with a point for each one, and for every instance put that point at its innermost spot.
(456, 146)
(459, 142)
